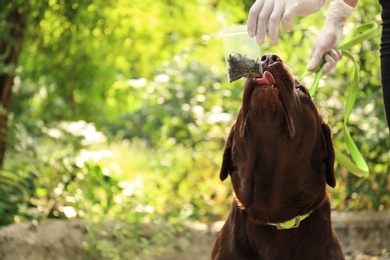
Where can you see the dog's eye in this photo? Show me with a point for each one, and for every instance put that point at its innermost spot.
(301, 89)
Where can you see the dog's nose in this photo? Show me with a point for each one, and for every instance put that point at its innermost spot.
(269, 59)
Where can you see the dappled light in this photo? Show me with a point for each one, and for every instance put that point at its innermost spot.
(120, 111)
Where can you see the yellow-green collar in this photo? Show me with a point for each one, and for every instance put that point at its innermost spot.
(292, 223)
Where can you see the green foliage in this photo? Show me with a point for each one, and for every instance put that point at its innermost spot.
(54, 174)
(116, 240)
(12, 190)
(185, 101)
(88, 178)
(91, 43)
(151, 76)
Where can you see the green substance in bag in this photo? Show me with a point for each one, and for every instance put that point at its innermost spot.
(242, 67)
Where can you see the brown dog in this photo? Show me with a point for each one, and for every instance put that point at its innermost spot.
(280, 156)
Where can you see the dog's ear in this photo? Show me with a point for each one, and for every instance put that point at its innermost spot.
(227, 161)
(330, 156)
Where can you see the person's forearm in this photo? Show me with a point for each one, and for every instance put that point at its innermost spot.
(352, 3)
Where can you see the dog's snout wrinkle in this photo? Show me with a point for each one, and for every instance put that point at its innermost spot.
(290, 123)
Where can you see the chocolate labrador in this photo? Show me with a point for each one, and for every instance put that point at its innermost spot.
(279, 155)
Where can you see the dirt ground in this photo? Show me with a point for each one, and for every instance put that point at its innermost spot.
(64, 239)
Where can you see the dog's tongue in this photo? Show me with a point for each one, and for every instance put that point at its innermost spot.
(267, 79)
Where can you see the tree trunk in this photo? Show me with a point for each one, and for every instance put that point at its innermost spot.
(10, 46)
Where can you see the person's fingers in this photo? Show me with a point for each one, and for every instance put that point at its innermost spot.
(288, 15)
(331, 59)
(327, 69)
(262, 21)
(253, 16)
(330, 63)
(336, 54)
(274, 22)
(315, 58)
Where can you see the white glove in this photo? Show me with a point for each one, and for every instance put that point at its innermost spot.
(331, 33)
(331, 58)
(265, 13)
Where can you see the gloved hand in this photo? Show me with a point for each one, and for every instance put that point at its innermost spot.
(331, 58)
(265, 13)
(330, 35)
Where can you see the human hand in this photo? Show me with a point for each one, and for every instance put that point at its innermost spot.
(331, 58)
(330, 36)
(269, 13)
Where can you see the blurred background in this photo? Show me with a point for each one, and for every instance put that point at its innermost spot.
(118, 110)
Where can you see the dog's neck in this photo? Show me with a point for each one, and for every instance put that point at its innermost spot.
(289, 224)
(238, 202)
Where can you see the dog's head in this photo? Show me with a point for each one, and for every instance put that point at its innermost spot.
(279, 150)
